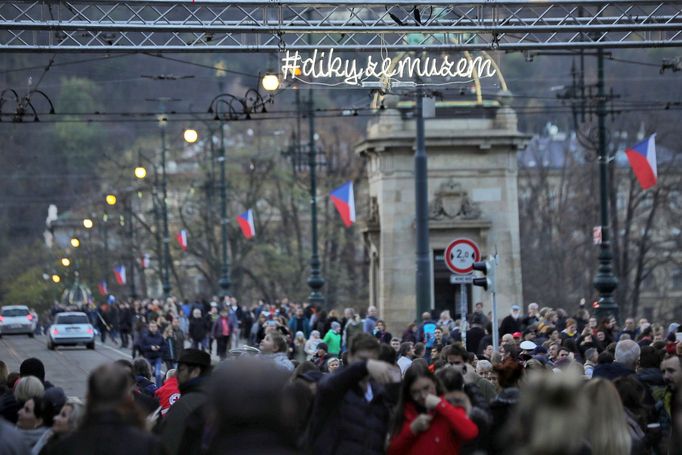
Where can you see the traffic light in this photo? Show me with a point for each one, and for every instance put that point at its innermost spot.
(487, 281)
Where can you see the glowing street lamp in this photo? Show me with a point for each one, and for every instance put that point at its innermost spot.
(56, 278)
(75, 242)
(88, 223)
(270, 82)
(140, 172)
(66, 262)
(190, 135)
(111, 199)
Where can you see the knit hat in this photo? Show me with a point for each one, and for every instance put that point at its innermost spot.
(336, 325)
(32, 367)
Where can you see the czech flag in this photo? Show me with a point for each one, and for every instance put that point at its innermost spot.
(245, 221)
(120, 274)
(344, 201)
(642, 158)
(102, 288)
(144, 261)
(182, 239)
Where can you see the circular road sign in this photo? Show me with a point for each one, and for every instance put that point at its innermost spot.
(460, 256)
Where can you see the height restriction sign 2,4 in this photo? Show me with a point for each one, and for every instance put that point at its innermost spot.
(460, 256)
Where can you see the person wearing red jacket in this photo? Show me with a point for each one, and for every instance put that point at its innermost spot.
(426, 423)
(168, 393)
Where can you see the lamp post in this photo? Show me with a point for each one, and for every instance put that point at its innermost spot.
(605, 281)
(315, 279)
(227, 106)
(165, 270)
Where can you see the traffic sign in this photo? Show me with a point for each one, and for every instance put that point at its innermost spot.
(460, 256)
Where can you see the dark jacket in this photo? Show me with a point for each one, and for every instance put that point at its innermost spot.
(474, 336)
(125, 320)
(510, 325)
(198, 328)
(148, 340)
(247, 442)
(183, 426)
(343, 422)
(108, 433)
(9, 407)
(611, 371)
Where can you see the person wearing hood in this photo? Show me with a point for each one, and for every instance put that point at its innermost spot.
(311, 344)
(183, 427)
(274, 347)
(333, 339)
(34, 367)
(625, 362)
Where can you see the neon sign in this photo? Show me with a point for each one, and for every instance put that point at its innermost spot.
(324, 66)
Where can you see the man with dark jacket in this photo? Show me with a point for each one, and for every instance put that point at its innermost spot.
(352, 408)
(512, 322)
(183, 427)
(125, 323)
(153, 349)
(475, 334)
(299, 323)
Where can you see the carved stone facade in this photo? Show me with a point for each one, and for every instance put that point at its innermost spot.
(472, 193)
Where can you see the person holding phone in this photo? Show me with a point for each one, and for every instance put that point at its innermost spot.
(426, 423)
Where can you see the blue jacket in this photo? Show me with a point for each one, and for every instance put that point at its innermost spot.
(293, 326)
(148, 340)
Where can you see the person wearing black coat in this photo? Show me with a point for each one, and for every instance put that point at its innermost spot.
(512, 322)
(198, 330)
(351, 411)
(125, 323)
(112, 424)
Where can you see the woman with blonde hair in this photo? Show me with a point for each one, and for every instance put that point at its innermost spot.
(549, 417)
(28, 387)
(607, 425)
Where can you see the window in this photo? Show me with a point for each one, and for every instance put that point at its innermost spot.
(676, 279)
(72, 319)
(14, 312)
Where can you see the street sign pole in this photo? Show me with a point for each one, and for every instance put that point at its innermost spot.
(463, 312)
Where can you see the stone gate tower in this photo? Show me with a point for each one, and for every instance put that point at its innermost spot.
(472, 171)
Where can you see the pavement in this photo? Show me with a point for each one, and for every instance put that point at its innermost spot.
(66, 367)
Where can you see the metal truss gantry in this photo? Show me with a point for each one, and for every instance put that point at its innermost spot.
(351, 25)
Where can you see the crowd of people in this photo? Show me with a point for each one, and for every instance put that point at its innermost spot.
(217, 377)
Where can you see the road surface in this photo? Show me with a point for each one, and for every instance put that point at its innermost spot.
(66, 367)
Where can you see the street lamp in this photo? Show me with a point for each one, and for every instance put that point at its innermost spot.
(190, 135)
(66, 262)
(229, 107)
(270, 82)
(111, 199)
(88, 223)
(56, 278)
(75, 242)
(140, 172)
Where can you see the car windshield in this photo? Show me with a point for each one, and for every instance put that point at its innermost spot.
(72, 319)
(14, 312)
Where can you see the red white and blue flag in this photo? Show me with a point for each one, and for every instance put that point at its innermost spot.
(182, 239)
(344, 201)
(145, 261)
(120, 274)
(103, 288)
(642, 158)
(245, 221)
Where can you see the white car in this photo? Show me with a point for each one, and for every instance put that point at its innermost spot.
(17, 320)
(69, 329)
